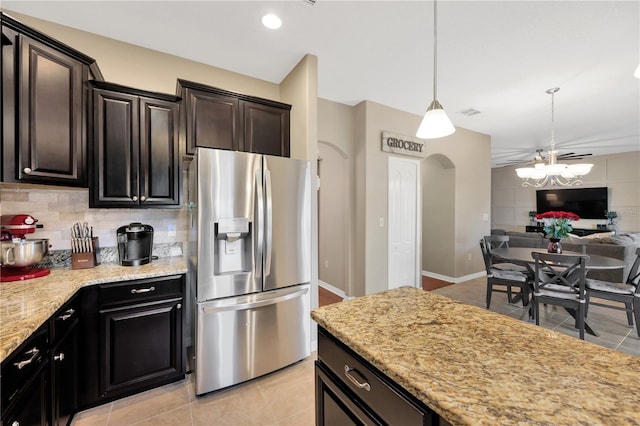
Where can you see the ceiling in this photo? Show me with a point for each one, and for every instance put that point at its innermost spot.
(497, 57)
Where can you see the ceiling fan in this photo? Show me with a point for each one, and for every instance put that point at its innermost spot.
(539, 157)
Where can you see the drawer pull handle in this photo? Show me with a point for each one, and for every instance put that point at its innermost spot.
(34, 354)
(347, 372)
(59, 357)
(68, 314)
(142, 290)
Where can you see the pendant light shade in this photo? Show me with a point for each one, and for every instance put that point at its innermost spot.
(435, 123)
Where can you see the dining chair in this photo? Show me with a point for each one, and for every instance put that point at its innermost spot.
(627, 293)
(505, 279)
(502, 241)
(560, 280)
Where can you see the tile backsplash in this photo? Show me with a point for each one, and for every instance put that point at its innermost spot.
(58, 208)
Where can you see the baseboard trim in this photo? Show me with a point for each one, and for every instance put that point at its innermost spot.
(452, 279)
(332, 289)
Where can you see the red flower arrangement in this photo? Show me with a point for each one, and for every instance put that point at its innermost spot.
(558, 215)
(557, 224)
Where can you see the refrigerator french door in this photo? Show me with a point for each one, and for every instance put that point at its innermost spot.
(250, 264)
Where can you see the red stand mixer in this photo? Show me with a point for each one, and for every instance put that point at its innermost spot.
(18, 255)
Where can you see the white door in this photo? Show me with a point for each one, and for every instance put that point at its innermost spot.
(404, 222)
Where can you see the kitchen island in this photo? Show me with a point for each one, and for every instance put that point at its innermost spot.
(26, 305)
(473, 366)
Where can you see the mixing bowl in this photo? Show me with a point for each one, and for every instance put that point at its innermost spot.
(23, 253)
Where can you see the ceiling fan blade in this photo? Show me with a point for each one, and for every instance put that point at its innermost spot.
(572, 156)
(512, 163)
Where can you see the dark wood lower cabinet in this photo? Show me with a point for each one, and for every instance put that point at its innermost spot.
(25, 394)
(108, 341)
(32, 406)
(140, 344)
(132, 338)
(350, 391)
(334, 406)
(64, 379)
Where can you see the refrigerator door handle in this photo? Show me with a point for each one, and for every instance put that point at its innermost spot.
(255, 304)
(258, 240)
(269, 222)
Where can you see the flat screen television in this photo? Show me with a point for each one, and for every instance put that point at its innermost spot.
(588, 203)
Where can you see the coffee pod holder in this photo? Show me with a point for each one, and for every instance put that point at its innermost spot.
(84, 253)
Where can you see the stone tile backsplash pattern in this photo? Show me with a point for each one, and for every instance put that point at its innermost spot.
(58, 208)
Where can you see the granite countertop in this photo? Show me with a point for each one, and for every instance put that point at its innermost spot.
(26, 305)
(474, 366)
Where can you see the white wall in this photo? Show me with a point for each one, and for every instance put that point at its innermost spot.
(510, 202)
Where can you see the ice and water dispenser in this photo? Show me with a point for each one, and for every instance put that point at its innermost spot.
(233, 246)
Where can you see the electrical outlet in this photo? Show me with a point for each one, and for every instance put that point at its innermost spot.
(470, 257)
(381, 222)
(171, 230)
(326, 263)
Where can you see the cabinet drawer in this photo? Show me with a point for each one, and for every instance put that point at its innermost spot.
(62, 321)
(369, 385)
(140, 290)
(19, 368)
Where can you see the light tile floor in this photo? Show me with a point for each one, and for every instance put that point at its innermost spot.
(286, 397)
(282, 398)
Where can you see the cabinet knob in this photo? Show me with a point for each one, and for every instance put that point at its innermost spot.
(135, 198)
(27, 170)
(143, 198)
(59, 357)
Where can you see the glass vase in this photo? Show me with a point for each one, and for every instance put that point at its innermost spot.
(554, 246)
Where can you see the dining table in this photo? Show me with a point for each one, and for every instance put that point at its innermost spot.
(523, 256)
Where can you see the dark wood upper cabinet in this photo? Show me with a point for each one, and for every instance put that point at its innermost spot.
(266, 129)
(135, 149)
(211, 120)
(43, 108)
(216, 118)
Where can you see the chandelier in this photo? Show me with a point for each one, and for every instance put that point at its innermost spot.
(552, 172)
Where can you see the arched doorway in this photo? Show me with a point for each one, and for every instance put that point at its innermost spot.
(438, 217)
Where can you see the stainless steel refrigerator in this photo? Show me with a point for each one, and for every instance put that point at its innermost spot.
(249, 263)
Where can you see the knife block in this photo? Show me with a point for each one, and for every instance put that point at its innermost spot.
(87, 259)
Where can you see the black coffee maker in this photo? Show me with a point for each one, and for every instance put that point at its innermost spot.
(135, 244)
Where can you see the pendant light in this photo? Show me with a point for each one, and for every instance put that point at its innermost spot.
(435, 123)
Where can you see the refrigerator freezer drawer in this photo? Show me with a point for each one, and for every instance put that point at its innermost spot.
(241, 338)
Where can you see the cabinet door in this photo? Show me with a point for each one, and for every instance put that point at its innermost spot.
(50, 123)
(159, 153)
(32, 405)
(212, 120)
(266, 129)
(115, 153)
(64, 378)
(140, 345)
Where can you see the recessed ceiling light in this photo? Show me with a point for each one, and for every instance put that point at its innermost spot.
(271, 21)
